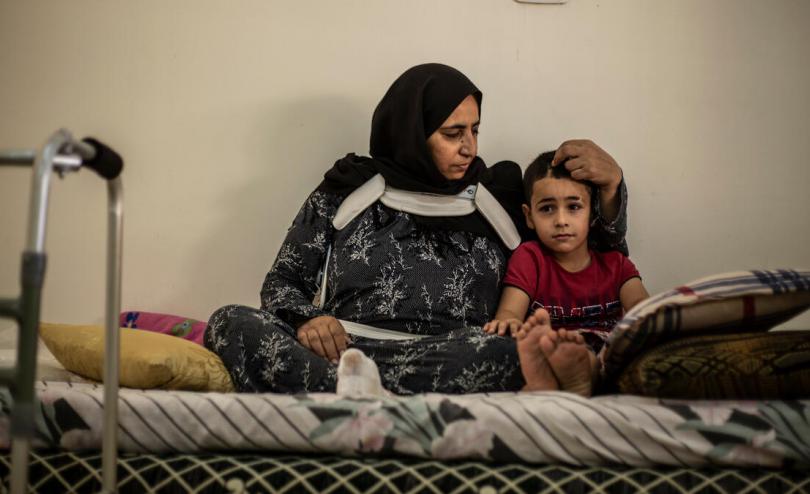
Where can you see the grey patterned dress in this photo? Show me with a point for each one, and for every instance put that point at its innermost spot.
(385, 271)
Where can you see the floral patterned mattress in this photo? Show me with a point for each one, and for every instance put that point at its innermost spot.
(543, 427)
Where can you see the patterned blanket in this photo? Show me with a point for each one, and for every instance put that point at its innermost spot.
(547, 427)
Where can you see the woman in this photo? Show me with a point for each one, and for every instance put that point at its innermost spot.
(428, 280)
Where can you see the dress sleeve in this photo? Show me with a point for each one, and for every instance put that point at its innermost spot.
(291, 283)
(523, 270)
(605, 236)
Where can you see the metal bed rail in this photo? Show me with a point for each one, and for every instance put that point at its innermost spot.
(61, 154)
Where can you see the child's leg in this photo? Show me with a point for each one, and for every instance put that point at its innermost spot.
(533, 362)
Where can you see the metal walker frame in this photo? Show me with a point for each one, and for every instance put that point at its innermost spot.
(62, 154)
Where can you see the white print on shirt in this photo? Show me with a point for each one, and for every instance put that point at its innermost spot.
(590, 316)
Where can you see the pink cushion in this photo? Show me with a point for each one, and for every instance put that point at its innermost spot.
(183, 327)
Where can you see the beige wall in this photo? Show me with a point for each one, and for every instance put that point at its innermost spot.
(228, 113)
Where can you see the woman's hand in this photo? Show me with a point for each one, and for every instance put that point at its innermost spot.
(587, 161)
(325, 336)
(501, 327)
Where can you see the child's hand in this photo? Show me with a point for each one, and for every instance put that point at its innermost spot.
(501, 327)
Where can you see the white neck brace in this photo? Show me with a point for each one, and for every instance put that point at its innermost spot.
(474, 197)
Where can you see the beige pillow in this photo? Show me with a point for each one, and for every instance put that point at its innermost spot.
(148, 359)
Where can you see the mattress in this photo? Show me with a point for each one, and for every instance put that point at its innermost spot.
(533, 428)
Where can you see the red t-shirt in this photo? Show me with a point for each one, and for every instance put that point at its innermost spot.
(588, 299)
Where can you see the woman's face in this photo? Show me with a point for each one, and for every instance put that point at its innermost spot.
(455, 143)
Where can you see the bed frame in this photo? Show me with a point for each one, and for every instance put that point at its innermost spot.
(61, 154)
(235, 471)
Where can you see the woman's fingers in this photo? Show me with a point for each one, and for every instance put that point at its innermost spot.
(316, 344)
(587, 161)
(303, 338)
(567, 150)
(339, 335)
(579, 166)
(325, 336)
(328, 342)
(589, 168)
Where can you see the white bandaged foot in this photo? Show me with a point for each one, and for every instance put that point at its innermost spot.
(357, 376)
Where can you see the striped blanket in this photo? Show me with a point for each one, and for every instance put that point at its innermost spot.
(547, 427)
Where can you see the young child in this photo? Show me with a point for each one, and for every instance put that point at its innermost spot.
(562, 284)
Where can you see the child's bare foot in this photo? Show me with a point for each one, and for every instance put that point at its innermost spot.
(570, 360)
(533, 363)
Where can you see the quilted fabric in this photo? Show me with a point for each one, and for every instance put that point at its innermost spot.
(741, 366)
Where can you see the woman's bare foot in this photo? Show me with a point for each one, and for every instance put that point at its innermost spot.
(533, 363)
(572, 363)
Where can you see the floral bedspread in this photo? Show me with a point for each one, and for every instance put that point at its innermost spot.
(543, 427)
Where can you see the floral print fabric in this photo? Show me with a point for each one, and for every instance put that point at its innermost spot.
(387, 271)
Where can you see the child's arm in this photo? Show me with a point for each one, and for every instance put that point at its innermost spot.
(511, 311)
(631, 293)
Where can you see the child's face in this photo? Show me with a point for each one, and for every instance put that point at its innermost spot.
(560, 213)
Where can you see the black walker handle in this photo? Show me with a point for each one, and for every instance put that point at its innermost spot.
(106, 161)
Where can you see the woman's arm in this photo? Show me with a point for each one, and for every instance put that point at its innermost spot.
(631, 293)
(608, 235)
(511, 311)
(291, 283)
(587, 161)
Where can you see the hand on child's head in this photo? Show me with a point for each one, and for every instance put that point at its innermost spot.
(587, 161)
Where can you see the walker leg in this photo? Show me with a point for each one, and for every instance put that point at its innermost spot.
(112, 344)
(20, 448)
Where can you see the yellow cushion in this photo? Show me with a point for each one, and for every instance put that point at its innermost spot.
(148, 359)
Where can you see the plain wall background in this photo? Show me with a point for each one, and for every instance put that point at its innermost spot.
(228, 113)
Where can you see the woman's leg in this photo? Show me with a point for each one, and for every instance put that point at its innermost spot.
(262, 353)
(463, 361)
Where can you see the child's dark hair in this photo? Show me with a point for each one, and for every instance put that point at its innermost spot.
(539, 169)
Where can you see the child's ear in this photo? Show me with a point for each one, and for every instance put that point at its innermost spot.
(528, 214)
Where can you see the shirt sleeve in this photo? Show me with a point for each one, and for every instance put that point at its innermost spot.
(290, 286)
(628, 270)
(523, 269)
(606, 236)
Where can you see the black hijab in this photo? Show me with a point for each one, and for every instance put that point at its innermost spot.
(414, 107)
